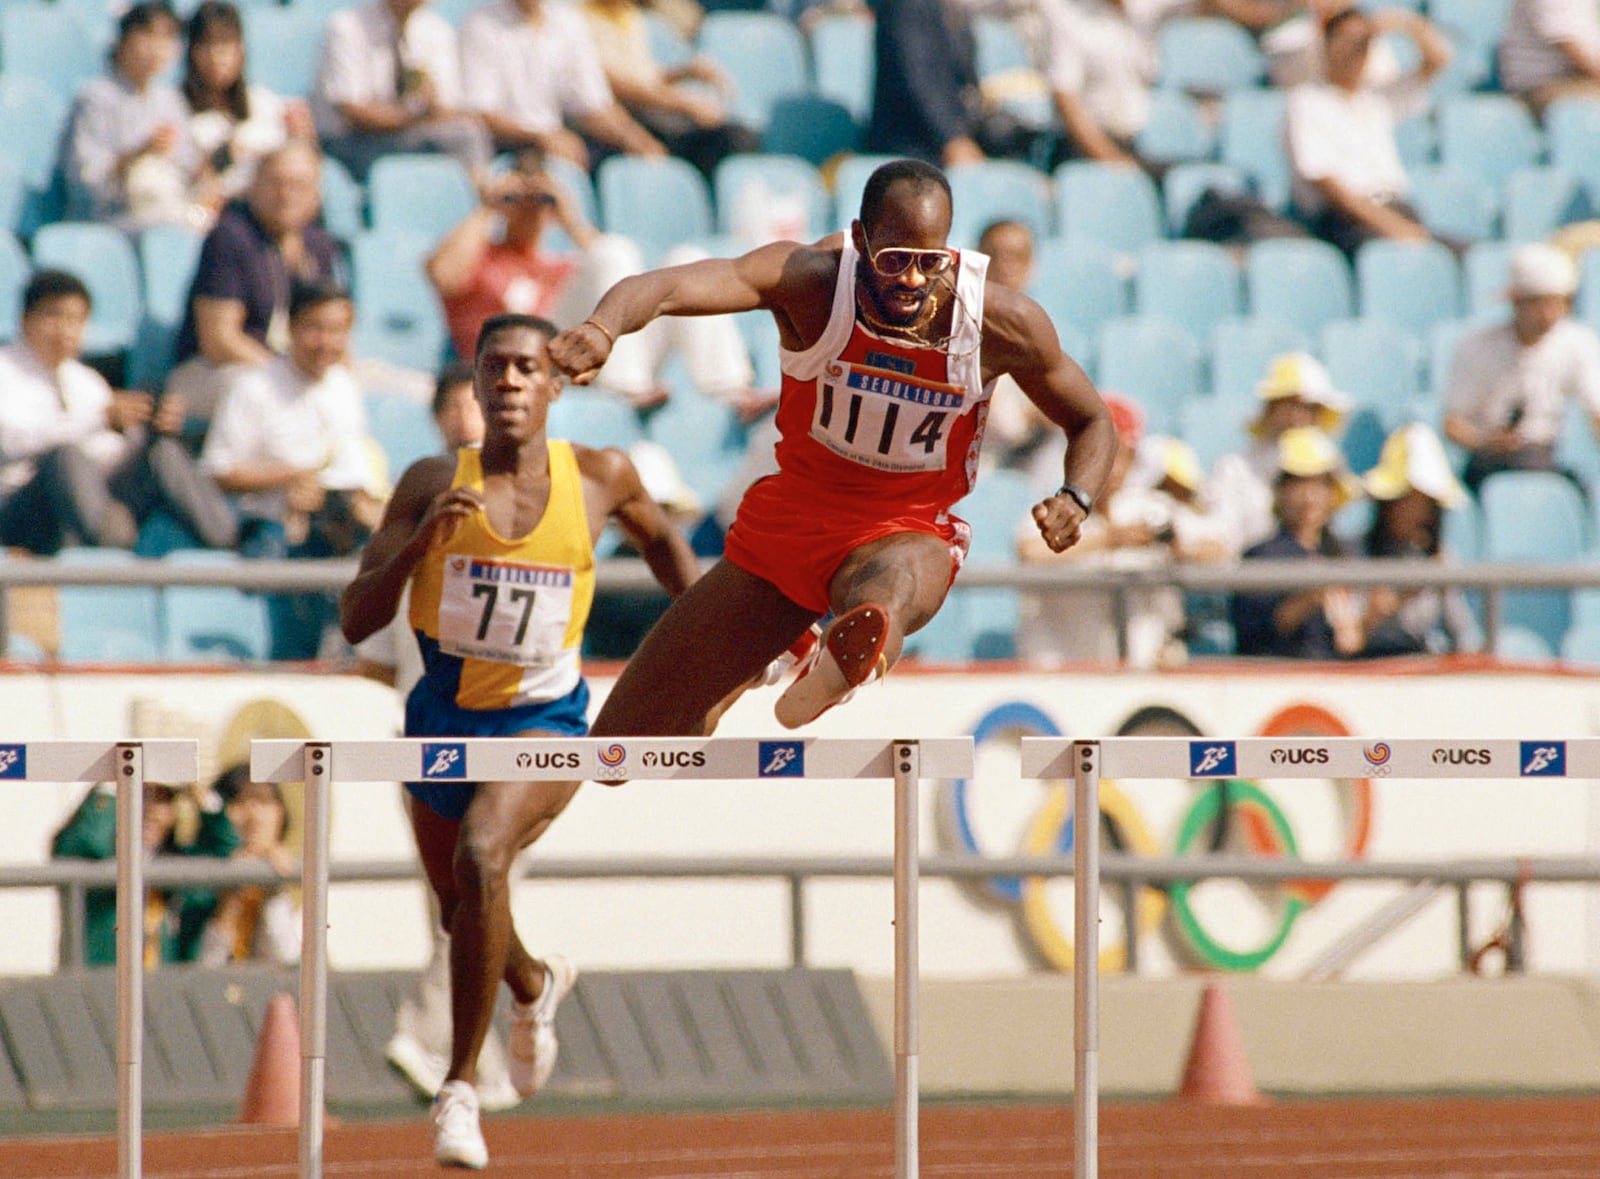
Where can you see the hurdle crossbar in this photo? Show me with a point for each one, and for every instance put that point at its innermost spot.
(1200, 758)
(320, 764)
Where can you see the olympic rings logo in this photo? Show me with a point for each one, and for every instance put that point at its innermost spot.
(1212, 817)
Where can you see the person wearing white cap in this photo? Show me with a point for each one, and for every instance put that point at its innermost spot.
(1324, 622)
(1413, 487)
(1297, 391)
(1509, 385)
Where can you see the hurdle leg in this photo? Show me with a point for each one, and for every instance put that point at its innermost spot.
(314, 958)
(130, 960)
(907, 873)
(1086, 959)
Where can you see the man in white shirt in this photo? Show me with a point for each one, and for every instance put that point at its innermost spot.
(530, 69)
(1348, 181)
(81, 463)
(1506, 400)
(1550, 50)
(390, 81)
(1101, 61)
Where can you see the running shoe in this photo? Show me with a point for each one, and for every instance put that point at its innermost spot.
(532, 1042)
(798, 652)
(850, 654)
(457, 1137)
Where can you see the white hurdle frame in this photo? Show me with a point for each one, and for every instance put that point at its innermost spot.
(1202, 758)
(128, 765)
(320, 763)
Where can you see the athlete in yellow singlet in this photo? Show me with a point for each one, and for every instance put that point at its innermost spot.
(498, 547)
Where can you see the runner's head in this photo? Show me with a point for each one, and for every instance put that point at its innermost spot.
(902, 237)
(513, 375)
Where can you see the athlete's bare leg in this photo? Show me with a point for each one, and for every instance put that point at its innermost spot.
(713, 639)
(908, 574)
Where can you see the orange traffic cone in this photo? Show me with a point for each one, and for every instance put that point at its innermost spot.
(1218, 1071)
(272, 1093)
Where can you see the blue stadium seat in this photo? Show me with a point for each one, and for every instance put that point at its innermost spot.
(1442, 343)
(815, 128)
(1540, 200)
(1488, 135)
(46, 42)
(1208, 55)
(761, 177)
(106, 624)
(285, 46)
(104, 259)
(995, 190)
(1078, 283)
(1461, 534)
(1184, 184)
(656, 202)
(1572, 132)
(1194, 284)
(1110, 203)
(1581, 644)
(703, 436)
(1478, 23)
(1509, 500)
(403, 428)
(1151, 361)
(1177, 130)
(1211, 429)
(398, 317)
(1008, 73)
(168, 255)
(1251, 139)
(15, 270)
(595, 418)
(1375, 361)
(1518, 641)
(13, 194)
(1303, 282)
(849, 181)
(1241, 351)
(668, 46)
(1417, 140)
(844, 61)
(34, 117)
(343, 201)
(1455, 203)
(212, 623)
(423, 194)
(1414, 285)
(763, 54)
(1486, 273)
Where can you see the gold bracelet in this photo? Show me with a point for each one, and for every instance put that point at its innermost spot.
(611, 341)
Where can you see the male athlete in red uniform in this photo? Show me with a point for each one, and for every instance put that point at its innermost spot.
(890, 344)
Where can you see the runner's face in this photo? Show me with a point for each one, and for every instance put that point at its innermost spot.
(912, 219)
(516, 383)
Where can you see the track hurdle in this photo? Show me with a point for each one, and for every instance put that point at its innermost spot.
(320, 764)
(1200, 758)
(128, 765)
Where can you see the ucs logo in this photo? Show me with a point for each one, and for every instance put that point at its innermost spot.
(548, 760)
(1298, 757)
(1544, 759)
(782, 759)
(1461, 757)
(444, 762)
(1212, 759)
(674, 758)
(13, 761)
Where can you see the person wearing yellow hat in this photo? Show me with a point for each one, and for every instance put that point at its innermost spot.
(1510, 383)
(1412, 487)
(1311, 484)
(1296, 391)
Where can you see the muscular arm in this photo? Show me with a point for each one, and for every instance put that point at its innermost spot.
(620, 492)
(421, 501)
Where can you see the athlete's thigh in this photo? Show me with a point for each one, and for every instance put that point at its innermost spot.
(511, 815)
(910, 571)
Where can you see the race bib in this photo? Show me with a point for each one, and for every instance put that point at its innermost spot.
(885, 420)
(505, 611)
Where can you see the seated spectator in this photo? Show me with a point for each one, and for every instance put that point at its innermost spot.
(1102, 62)
(1294, 48)
(390, 81)
(81, 462)
(496, 259)
(255, 922)
(1550, 49)
(128, 155)
(1509, 385)
(1348, 181)
(1297, 391)
(238, 307)
(175, 918)
(678, 105)
(1325, 622)
(531, 69)
(1150, 514)
(290, 443)
(1412, 487)
(232, 122)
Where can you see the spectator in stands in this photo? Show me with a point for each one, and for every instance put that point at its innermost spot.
(175, 918)
(261, 246)
(1412, 487)
(531, 70)
(1550, 49)
(1102, 61)
(1325, 622)
(1297, 391)
(255, 922)
(684, 106)
(1509, 385)
(81, 462)
(496, 259)
(128, 155)
(232, 122)
(390, 81)
(1348, 181)
(1294, 48)
(290, 443)
(1151, 513)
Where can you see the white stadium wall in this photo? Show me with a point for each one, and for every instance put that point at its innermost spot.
(996, 929)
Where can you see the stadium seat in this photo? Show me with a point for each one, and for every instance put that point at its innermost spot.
(1488, 135)
(1109, 203)
(1303, 282)
(15, 269)
(1242, 350)
(285, 47)
(1184, 184)
(104, 259)
(1414, 285)
(1454, 203)
(1374, 361)
(1510, 499)
(1461, 534)
(703, 436)
(844, 61)
(849, 181)
(1212, 429)
(106, 624)
(748, 187)
(398, 317)
(423, 194)
(1478, 23)
(1151, 361)
(1442, 343)
(1486, 273)
(343, 201)
(1417, 140)
(1176, 132)
(1251, 139)
(1516, 641)
(668, 46)
(13, 194)
(764, 55)
(1540, 200)
(403, 428)
(52, 45)
(1572, 133)
(34, 117)
(1078, 283)
(1008, 74)
(656, 202)
(995, 190)
(1194, 284)
(1581, 644)
(168, 255)
(595, 418)
(211, 623)
(1208, 55)
(815, 128)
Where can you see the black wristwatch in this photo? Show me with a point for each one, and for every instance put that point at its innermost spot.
(1079, 496)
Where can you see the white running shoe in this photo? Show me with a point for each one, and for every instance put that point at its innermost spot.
(850, 654)
(457, 1137)
(532, 1044)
